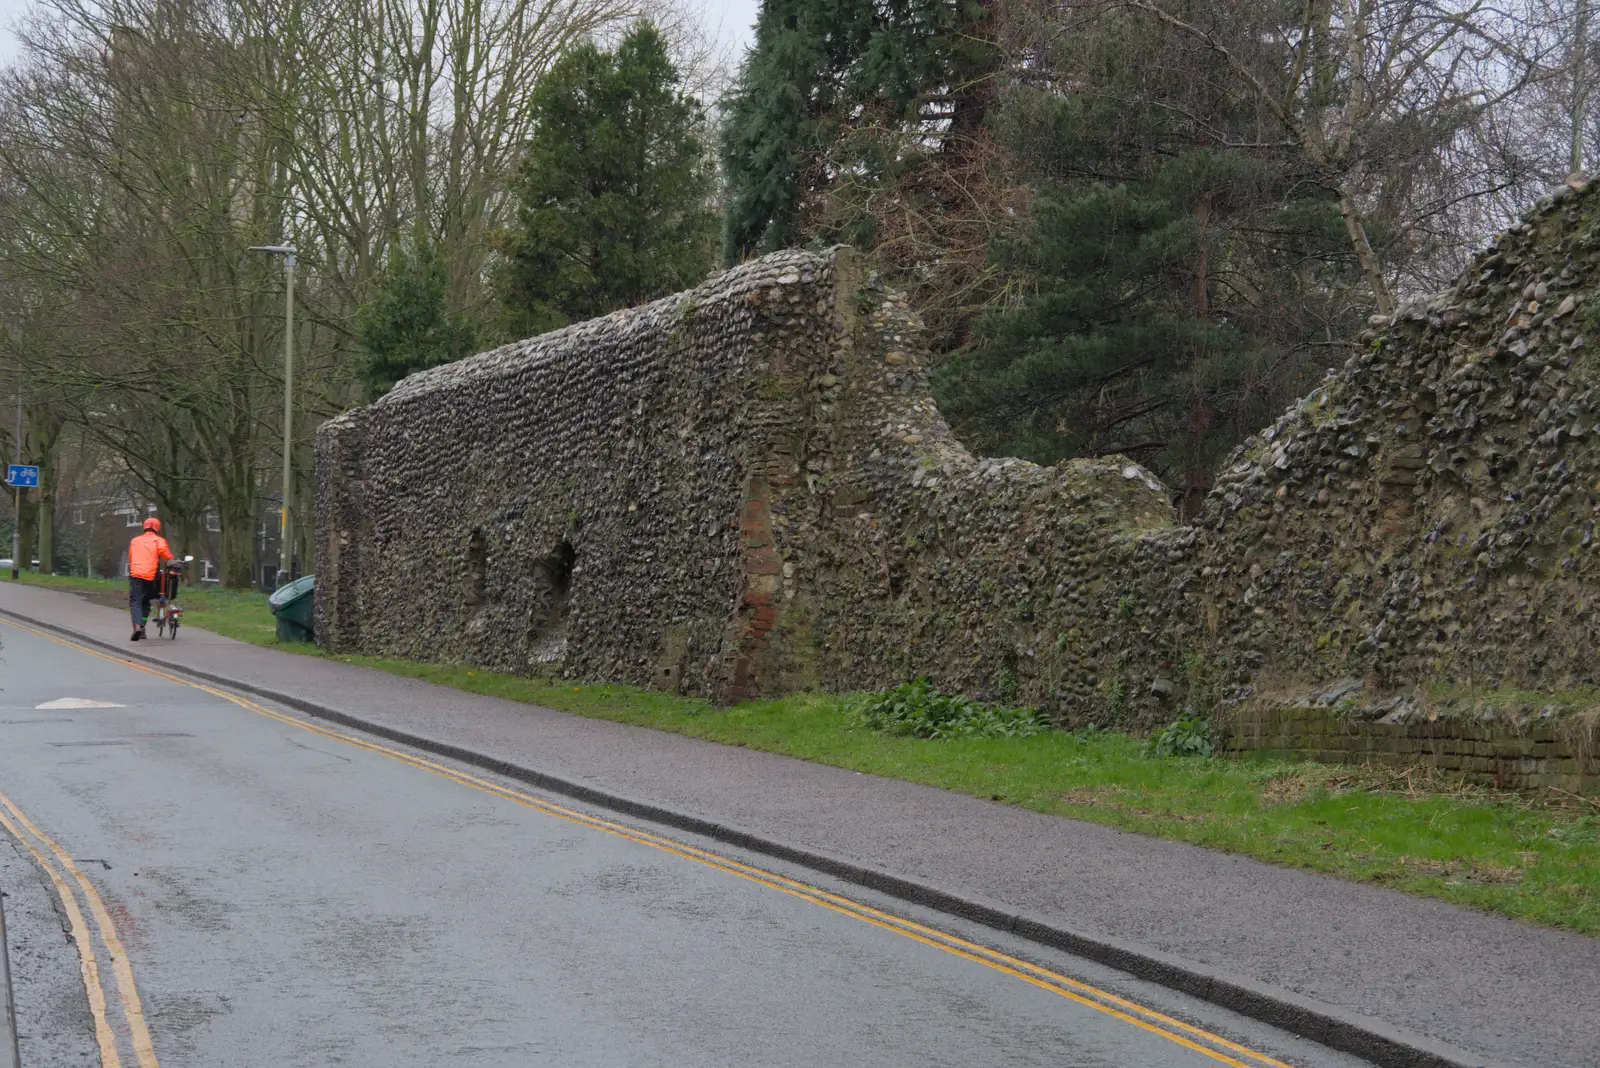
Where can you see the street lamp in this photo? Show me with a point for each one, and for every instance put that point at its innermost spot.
(285, 553)
(16, 529)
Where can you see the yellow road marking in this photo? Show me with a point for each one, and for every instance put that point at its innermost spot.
(127, 993)
(1175, 1030)
(88, 967)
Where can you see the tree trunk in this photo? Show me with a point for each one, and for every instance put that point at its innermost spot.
(29, 515)
(1364, 254)
(188, 531)
(238, 525)
(1580, 83)
(1202, 269)
(44, 430)
(305, 522)
(47, 520)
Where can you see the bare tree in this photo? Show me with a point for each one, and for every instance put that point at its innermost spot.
(1382, 98)
(150, 142)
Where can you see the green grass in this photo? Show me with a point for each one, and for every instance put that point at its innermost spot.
(240, 614)
(1536, 859)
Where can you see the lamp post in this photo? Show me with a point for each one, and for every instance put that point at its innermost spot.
(16, 527)
(285, 551)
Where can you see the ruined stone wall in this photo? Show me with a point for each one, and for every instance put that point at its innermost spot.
(1425, 515)
(1428, 513)
(1519, 751)
(757, 494)
(573, 503)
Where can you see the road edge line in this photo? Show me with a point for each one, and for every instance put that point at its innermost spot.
(1363, 1036)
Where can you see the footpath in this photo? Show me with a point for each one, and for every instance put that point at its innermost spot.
(1401, 980)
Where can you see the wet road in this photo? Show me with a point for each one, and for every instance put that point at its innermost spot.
(260, 889)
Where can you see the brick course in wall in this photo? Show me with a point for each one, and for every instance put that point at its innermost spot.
(1503, 754)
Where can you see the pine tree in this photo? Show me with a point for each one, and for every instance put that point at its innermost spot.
(1178, 293)
(406, 327)
(615, 188)
(822, 70)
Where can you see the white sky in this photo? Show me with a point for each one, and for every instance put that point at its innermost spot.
(10, 11)
(731, 20)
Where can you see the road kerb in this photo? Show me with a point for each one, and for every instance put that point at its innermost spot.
(1367, 1037)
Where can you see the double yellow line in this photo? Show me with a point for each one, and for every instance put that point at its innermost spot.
(1184, 1034)
(70, 882)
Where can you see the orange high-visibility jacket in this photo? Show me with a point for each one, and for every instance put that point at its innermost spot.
(145, 554)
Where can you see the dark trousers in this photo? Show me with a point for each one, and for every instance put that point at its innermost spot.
(140, 593)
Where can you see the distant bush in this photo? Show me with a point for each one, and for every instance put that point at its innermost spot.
(917, 710)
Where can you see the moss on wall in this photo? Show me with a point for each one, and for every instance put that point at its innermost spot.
(764, 494)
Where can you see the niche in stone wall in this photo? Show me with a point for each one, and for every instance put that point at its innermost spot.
(477, 567)
(552, 581)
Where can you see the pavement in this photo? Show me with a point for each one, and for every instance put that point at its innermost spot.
(1425, 982)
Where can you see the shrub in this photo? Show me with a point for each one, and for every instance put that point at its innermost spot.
(1188, 735)
(917, 710)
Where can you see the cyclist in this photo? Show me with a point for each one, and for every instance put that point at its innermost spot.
(145, 556)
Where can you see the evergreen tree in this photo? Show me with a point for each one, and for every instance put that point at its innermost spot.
(1178, 294)
(615, 188)
(823, 70)
(407, 327)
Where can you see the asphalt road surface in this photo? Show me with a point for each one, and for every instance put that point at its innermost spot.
(248, 887)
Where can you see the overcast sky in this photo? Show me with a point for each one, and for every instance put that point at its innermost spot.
(730, 19)
(10, 11)
(734, 17)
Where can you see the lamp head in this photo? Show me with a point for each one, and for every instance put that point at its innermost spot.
(286, 251)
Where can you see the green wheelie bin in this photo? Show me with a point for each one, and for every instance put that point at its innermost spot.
(291, 605)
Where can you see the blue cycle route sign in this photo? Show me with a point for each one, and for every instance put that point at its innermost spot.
(23, 476)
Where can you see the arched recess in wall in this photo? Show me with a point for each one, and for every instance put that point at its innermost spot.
(552, 581)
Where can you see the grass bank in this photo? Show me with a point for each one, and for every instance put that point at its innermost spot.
(239, 614)
(1536, 859)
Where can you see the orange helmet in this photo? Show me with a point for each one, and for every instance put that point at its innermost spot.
(153, 524)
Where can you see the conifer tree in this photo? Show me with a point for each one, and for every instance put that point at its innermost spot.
(614, 188)
(1179, 295)
(406, 327)
(822, 68)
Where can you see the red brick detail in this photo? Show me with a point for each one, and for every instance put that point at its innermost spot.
(758, 610)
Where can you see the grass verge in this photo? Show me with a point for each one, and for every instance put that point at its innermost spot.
(239, 614)
(1535, 859)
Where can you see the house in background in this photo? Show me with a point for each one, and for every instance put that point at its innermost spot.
(97, 515)
(103, 526)
(99, 507)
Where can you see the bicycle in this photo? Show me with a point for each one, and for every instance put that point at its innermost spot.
(167, 613)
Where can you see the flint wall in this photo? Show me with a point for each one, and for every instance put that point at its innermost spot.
(748, 489)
